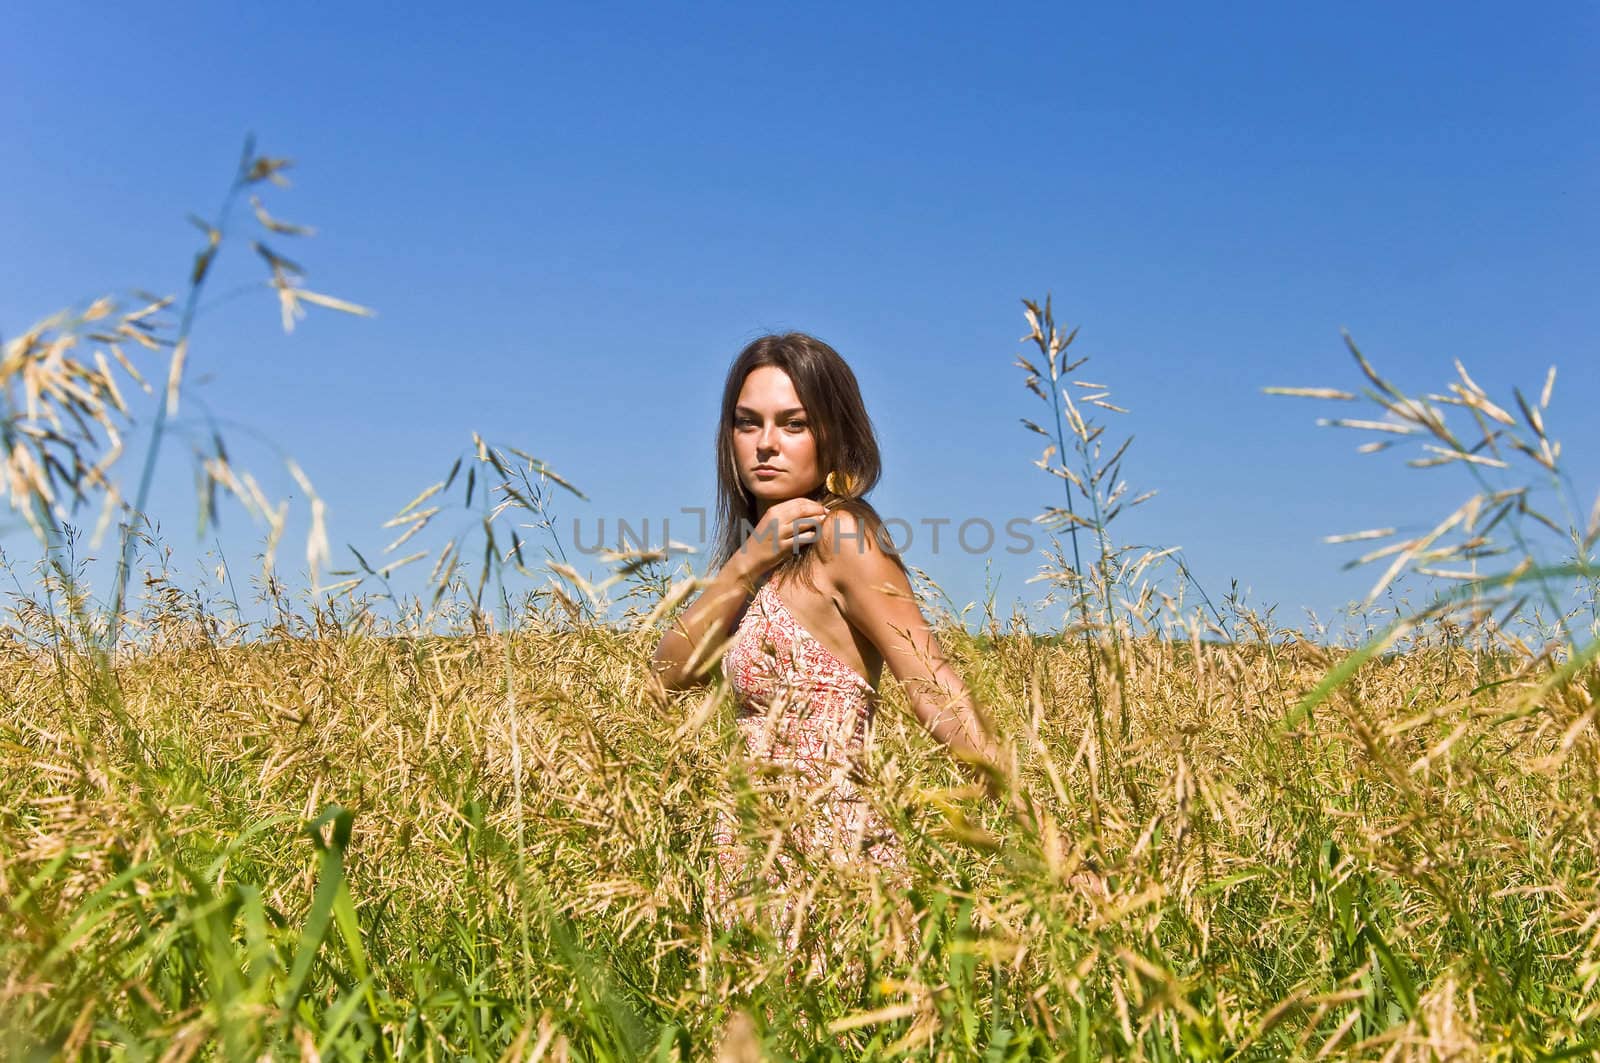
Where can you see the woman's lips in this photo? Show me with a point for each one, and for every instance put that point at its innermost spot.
(768, 473)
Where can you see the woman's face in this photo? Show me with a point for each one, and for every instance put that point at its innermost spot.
(772, 431)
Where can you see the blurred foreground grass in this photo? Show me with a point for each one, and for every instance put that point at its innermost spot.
(1409, 871)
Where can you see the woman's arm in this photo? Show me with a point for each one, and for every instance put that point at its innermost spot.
(684, 655)
(687, 646)
(877, 600)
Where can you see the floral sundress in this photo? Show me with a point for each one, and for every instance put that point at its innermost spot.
(805, 717)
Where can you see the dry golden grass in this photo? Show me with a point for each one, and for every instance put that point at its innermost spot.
(1409, 872)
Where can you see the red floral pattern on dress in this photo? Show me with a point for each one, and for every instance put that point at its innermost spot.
(804, 716)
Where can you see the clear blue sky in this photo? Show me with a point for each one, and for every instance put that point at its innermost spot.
(570, 218)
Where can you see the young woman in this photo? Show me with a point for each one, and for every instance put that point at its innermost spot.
(816, 600)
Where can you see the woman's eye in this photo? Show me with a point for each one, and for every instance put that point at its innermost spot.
(793, 426)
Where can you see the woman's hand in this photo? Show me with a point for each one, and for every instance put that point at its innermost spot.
(782, 529)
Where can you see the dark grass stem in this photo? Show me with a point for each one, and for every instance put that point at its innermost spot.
(158, 426)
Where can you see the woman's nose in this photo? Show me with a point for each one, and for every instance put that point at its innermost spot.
(768, 440)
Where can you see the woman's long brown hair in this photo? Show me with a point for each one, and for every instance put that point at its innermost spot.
(846, 446)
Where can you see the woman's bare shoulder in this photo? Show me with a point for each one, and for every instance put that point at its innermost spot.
(853, 555)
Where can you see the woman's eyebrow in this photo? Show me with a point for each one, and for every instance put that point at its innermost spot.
(781, 413)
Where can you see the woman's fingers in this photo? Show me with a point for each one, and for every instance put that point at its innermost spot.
(786, 527)
(800, 521)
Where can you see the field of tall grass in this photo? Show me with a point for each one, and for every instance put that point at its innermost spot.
(458, 821)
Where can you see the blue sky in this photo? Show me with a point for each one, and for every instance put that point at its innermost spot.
(570, 219)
